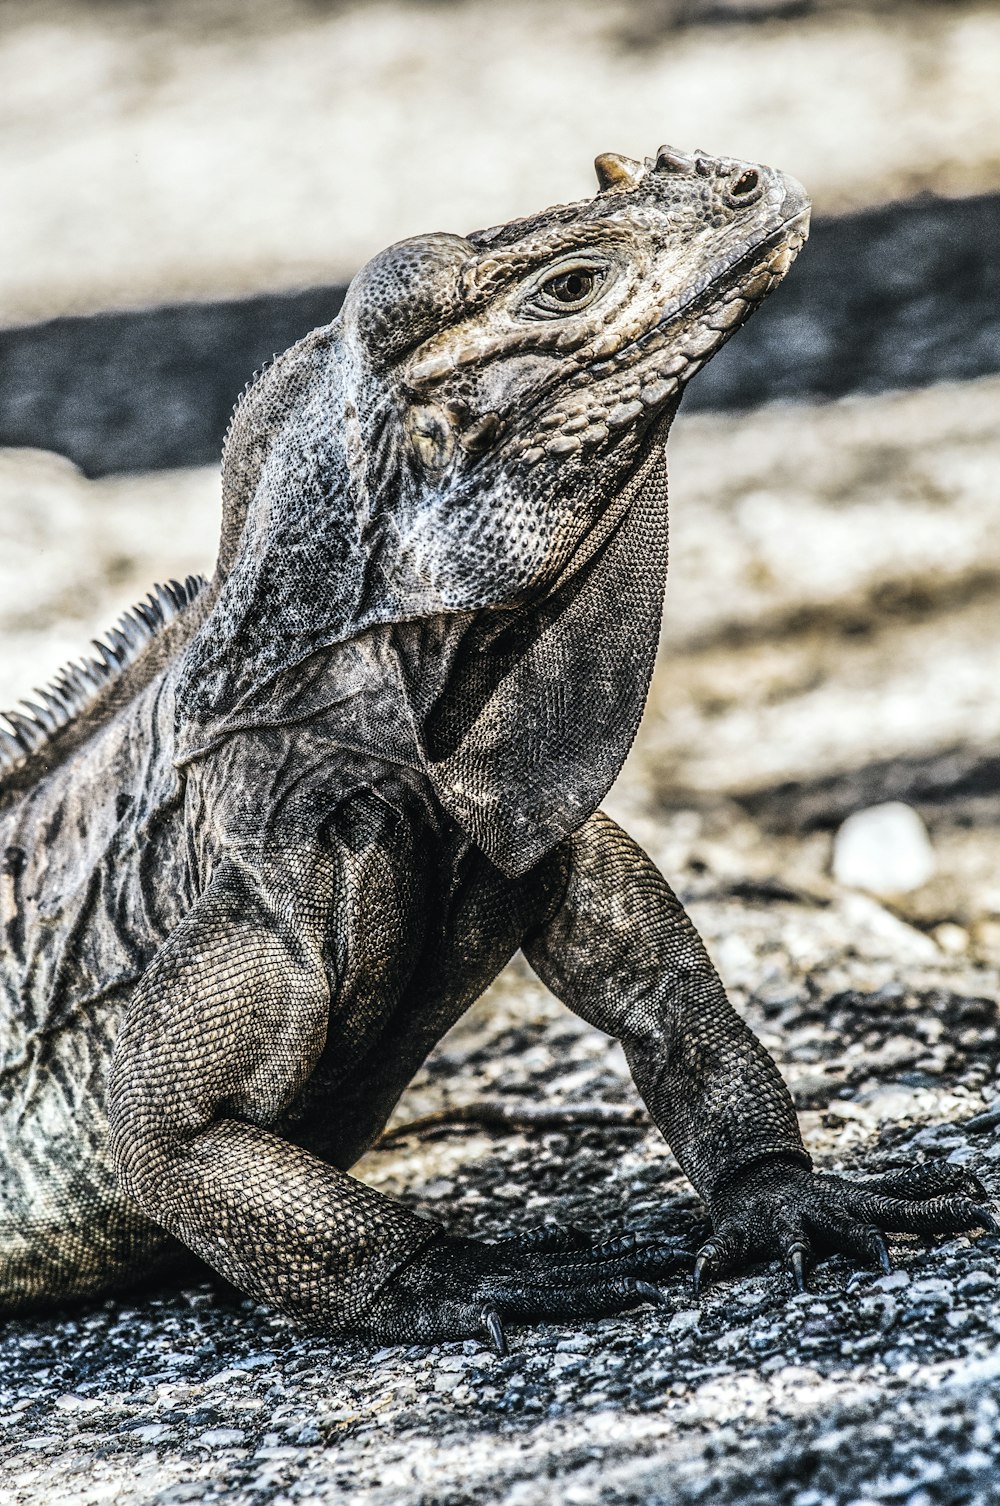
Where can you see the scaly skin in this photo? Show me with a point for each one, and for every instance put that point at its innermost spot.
(259, 862)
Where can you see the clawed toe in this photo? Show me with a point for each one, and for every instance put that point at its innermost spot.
(651, 1293)
(533, 1303)
(881, 1250)
(546, 1238)
(552, 1248)
(494, 1331)
(925, 1181)
(797, 1260)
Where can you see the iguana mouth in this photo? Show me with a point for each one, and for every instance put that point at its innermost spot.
(645, 375)
(790, 236)
(778, 239)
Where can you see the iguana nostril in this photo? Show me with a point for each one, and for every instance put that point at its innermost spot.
(745, 184)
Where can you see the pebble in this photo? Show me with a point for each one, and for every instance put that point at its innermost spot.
(440, 1188)
(222, 1437)
(931, 1286)
(976, 1281)
(894, 1282)
(72, 1403)
(150, 1433)
(884, 849)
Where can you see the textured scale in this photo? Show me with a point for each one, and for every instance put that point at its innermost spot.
(262, 852)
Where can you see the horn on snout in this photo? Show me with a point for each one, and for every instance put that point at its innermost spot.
(617, 172)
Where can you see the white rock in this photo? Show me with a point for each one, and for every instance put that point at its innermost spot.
(222, 1437)
(884, 849)
(73, 1403)
(894, 1282)
(151, 1433)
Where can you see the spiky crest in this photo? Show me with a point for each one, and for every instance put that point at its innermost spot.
(77, 685)
(244, 393)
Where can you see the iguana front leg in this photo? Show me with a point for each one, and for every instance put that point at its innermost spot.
(621, 952)
(224, 1030)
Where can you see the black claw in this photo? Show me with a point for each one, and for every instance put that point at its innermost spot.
(650, 1292)
(988, 1219)
(857, 1279)
(797, 1258)
(701, 1265)
(882, 1255)
(494, 1331)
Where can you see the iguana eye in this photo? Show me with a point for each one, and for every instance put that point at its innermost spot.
(566, 291)
(570, 287)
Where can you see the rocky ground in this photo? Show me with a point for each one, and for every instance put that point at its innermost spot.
(831, 644)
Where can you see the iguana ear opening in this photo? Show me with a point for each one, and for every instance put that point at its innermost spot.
(542, 704)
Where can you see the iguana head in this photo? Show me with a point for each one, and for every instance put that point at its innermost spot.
(460, 484)
(514, 377)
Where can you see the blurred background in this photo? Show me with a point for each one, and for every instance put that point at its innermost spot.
(187, 187)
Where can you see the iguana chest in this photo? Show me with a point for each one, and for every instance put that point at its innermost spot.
(423, 939)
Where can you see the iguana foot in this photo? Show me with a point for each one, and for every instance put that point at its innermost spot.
(785, 1211)
(549, 1237)
(461, 1288)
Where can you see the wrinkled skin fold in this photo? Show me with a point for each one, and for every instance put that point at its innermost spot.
(259, 859)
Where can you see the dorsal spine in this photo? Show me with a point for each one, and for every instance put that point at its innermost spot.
(76, 686)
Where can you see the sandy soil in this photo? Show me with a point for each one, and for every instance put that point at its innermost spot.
(191, 149)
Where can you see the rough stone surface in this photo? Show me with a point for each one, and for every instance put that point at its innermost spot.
(829, 566)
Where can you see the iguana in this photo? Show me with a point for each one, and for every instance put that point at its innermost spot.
(267, 850)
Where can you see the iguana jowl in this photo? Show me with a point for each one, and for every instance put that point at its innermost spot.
(259, 860)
